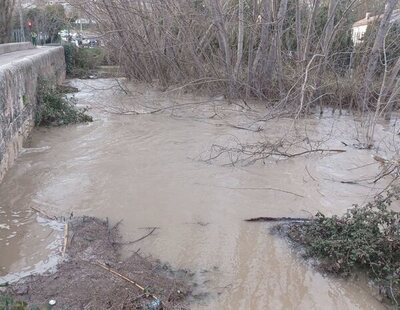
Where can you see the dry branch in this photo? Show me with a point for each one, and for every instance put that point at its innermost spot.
(46, 215)
(278, 219)
(144, 237)
(109, 269)
(65, 244)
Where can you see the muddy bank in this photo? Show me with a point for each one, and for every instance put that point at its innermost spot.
(92, 276)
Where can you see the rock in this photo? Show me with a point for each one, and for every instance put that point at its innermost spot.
(21, 290)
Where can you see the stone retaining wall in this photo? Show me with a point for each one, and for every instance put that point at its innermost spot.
(14, 47)
(18, 84)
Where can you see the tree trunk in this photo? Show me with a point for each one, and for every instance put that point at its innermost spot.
(310, 24)
(390, 89)
(299, 39)
(240, 38)
(223, 42)
(328, 37)
(251, 48)
(264, 36)
(375, 53)
(6, 14)
(21, 21)
(274, 64)
(326, 45)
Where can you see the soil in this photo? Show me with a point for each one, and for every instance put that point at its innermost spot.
(80, 281)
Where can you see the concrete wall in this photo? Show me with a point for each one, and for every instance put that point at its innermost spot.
(18, 84)
(14, 47)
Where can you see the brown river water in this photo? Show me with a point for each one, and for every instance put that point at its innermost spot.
(149, 170)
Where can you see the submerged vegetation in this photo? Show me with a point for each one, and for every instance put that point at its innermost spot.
(364, 239)
(54, 108)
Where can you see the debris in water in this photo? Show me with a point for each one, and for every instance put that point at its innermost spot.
(278, 219)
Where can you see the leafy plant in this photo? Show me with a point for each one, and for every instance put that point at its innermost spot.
(81, 62)
(365, 238)
(55, 109)
(69, 51)
(8, 303)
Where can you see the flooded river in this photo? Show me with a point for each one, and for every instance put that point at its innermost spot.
(150, 171)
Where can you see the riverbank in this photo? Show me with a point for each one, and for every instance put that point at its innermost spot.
(93, 275)
(151, 170)
(364, 241)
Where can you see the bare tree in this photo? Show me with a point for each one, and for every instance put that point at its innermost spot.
(223, 41)
(240, 37)
(6, 15)
(310, 25)
(265, 20)
(299, 32)
(293, 54)
(371, 60)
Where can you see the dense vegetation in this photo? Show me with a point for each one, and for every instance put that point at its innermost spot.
(54, 108)
(6, 14)
(364, 239)
(295, 55)
(8, 303)
(83, 62)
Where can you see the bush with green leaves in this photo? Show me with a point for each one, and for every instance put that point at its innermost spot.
(8, 303)
(54, 108)
(364, 239)
(69, 51)
(82, 62)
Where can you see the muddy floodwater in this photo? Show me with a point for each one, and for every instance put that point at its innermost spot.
(151, 170)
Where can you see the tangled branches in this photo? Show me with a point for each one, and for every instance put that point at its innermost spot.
(248, 154)
(389, 168)
(293, 54)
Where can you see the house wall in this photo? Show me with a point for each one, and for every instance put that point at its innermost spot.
(358, 34)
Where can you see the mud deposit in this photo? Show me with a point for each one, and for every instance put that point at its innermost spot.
(153, 169)
(88, 278)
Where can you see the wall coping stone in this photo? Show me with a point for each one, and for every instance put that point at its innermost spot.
(14, 47)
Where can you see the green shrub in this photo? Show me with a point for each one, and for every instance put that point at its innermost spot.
(55, 109)
(69, 51)
(8, 303)
(365, 238)
(81, 62)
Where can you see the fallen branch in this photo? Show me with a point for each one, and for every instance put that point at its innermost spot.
(64, 249)
(278, 219)
(349, 182)
(141, 238)
(244, 128)
(314, 151)
(310, 174)
(50, 217)
(260, 151)
(109, 269)
(266, 189)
